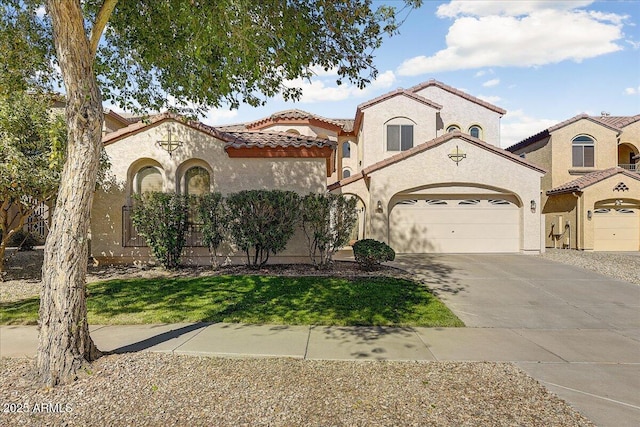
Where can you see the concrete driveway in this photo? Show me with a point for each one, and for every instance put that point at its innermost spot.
(589, 321)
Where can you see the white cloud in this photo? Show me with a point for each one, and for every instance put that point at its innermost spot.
(632, 91)
(492, 99)
(505, 8)
(219, 115)
(40, 12)
(320, 90)
(489, 34)
(491, 83)
(516, 126)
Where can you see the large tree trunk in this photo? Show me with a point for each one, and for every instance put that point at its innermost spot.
(64, 342)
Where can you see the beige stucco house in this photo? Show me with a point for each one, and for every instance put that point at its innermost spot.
(424, 164)
(171, 154)
(591, 193)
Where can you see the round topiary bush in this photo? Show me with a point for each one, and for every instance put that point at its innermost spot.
(369, 253)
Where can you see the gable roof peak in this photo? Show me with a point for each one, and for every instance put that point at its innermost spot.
(458, 92)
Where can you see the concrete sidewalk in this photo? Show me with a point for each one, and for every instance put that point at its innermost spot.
(596, 370)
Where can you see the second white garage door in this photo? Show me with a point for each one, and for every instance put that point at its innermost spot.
(455, 226)
(616, 230)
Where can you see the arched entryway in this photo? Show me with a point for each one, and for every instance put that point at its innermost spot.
(628, 157)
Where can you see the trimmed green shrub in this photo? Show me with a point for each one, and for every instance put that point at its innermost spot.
(370, 253)
(261, 222)
(162, 218)
(327, 221)
(212, 214)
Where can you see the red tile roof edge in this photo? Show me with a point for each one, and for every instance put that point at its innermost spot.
(451, 89)
(546, 132)
(579, 184)
(433, 143)
(233, 138)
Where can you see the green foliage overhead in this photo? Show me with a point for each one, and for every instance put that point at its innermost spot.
(162, 218)
(28, 58)
(206, 53)
(369, 253)
(261, 222)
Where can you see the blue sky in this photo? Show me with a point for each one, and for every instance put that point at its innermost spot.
(543, 62)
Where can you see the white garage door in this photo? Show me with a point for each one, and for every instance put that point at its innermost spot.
(455, 226)
(616, 230)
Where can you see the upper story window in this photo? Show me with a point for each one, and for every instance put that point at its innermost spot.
(346, 150)
(197, 181)
(453, 128)
(583, 151)
(148, 179)
(399, 137)
(475, 131)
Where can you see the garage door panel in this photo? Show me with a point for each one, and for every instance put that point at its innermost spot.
(616, 230)
(463, 227)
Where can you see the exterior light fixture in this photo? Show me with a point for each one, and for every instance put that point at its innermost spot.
(589, 214)
(533, 206)
(379, 207)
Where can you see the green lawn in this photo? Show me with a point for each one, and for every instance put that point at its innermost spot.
(254, 299)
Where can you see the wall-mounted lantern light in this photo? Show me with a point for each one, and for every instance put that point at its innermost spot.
(379, 207)
(533, 206)
(589, 214)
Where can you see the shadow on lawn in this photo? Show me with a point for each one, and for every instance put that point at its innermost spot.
(270, 300)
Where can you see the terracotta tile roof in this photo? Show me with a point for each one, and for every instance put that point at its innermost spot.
(294, 115)
(430, 144)
(617, 121)
(589, 179)
(433, 82)
(545, 133)
(258, 139)
(235, 139)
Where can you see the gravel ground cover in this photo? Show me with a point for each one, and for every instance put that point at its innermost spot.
(169, 390)
(619, 265)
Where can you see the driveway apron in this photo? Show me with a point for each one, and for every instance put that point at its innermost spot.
(574, 330)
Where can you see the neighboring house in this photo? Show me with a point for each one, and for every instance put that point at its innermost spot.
(591, 193)
(168, 153)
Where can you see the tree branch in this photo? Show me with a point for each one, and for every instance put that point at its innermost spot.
(101, 22)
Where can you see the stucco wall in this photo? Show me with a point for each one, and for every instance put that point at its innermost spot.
(302, 175)
(373, 135)
(464, 113)
(481, 172)
(606, 150)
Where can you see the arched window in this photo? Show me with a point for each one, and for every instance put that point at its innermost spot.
(346, 173)
(453, 128)
(293, 131)
(475, 131)
(148, 179)
(583, 151)
(399, 133)
(346, 150)
(197, 181)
